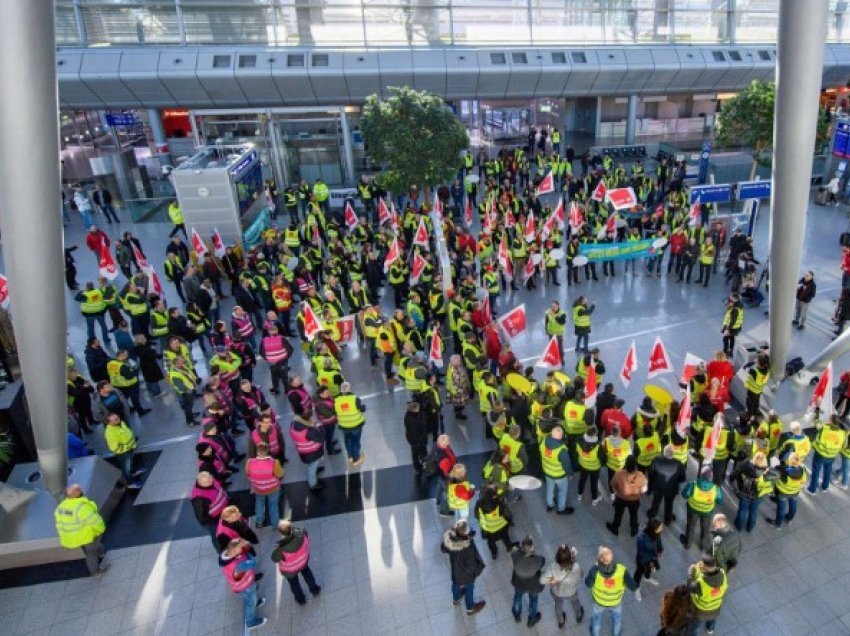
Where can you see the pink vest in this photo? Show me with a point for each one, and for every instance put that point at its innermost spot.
(275, 349)
(294, 562)
(260, 472)
(271, 439)
(218, 449)
(303, 445)
(243, 325)
(218, 465)
(215, 495)
(227, 531)
(331, 418)
(241, 581)
(303, 397)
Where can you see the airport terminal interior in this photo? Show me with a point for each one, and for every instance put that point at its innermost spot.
(143, 86)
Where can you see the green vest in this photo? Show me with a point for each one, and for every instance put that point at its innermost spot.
(78, 522)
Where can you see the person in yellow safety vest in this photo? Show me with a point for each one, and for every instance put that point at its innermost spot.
(290, 202)
(321, 194)
(79, 525)
(292, 237)
(510, 443)
(93, 308)
(497, 471)
(556, 141)
(702, 496)
(733, 321)
(121, 442)
(495, 519)
(388, 345)
(159, 323)
(577, 417)
(350, 413)
(329, 375)
(829, 440)
(416, 375)
(555, 321)
(582, 309)
(706, 259)
(371, 322)
(796, 442)
(488, 394)
(557, 468)
(586, 361)
(124, 376)
(720, 453)
(755, 381)
(459, 492)
(707, 584)
(753, 482)
(184, 381)
(792, 478)
(177, 218)
(617, 450)
(591, 456)
(608, 581)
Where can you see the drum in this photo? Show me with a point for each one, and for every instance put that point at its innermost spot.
(659, 242)
(525, 482)
(557, 253)
(580, 260)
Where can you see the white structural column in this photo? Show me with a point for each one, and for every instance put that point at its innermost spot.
(159, 139)
(799, 67)
(631, 119)
(31, 222)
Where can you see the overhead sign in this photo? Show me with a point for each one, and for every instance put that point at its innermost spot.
(243, 164)
(841, 139)
(754, 190)
(721, 193)
(339, 195)
(121, 119)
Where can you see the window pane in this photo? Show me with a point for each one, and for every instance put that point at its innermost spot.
(209, 22)
(636, 22)
(837, 26)
(417, 23)
(130, 22)
(577, 21)
(490, 22)
(66, 24)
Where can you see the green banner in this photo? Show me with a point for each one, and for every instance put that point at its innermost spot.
(617, 251)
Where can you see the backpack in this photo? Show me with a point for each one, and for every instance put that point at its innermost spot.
(794, 366)
(431, 463)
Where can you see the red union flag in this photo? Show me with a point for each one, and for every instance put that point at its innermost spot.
(659, 361)
(394, 222)
(558, 214)
(576, 216)
(590, 387)
(547, 185)
(417, 268)
(710, 446)
(421, 236)
(154, 284)
(504, 258)
(823, 390)
(683, 422)
(630, 365)
(599, 191)
(108, 268)
(514, 322)
(622, 198)
(467, 213)
(198, 244)
(4, 291)
(350, 216)
(218, 244)
(383, 212)
(435, 350)
(694, 214)
(312, 326)
(530, 228)
(528, 272)
(140, 258)
(547, 228)
(551, 355)
(485, 307)
(393, 255)
(689, 370)
(345, 327)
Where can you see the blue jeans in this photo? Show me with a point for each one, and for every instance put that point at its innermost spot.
(249, 602)
(270, 501)
(351, 438)
(583, 338)
(845, 470)
(101, 320)
(616, 617)
(467, 592)
(125, 462)
(781, 502)
(562, 485)
(313, 473)
(747, 513)
(709, 625)
(820, 463)
(86, 218)
(517, 606)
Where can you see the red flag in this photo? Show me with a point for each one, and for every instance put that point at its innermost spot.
(823, 390)
(218, 244)
(421, 236)
(547, 185)
(576, 216)
(599, 191)
(394, 222)
(4, 291)
(383, 212)
(140, 258)
(528, 272)
(611, 224)
(558, 214)
(198, 244)
(485, 308)
(683, 422)
(345, 327)
(659, 361)
(312, 326)
(530, 228)
(504, 258)
(154, 284)
(418, 267)
(514, 322)
(435, 351)
(108, 268)
(467, 213)
(694, 214)
(551, 355)
(393, 255)
(590, 387)
(710, 445)
(690, 368)
(548, 226)
(510, 220)
(622, 198)
(630, 365)
(350, 216)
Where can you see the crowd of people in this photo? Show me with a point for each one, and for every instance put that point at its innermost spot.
(446, 347)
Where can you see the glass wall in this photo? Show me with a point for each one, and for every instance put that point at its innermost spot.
(398, 23)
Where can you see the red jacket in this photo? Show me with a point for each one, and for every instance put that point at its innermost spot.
(845, 379)
(448, 461)
(613, 417)
(845, 262)
(492, 343)
(678, 242)
(722, 369)
(95, 239)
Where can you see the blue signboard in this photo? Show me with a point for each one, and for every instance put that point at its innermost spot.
(841, 139)
(721, 193)
(754, 190)
(121, 119)
(703, 162)
(238, 168)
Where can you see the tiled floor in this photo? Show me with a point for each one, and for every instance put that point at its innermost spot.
(381, 569)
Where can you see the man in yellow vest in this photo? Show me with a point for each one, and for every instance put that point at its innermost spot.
(184, 381)
(93, 307)
(177, 218)
(733, 320)
(124, 376)
(79, 525)
(828, 443)
(121, 441)
(557, 467)
(755, 381)
(321, 194)
(608, 581)
(555, 324)
(703, 496)
(792, 478)
(707, 586)
(350, 419)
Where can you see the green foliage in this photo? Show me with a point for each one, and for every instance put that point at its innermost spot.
(6, 448)
(414, 136)
(747, 119)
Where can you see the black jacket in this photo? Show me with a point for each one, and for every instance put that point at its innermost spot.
(526, 574)
(415, 428)
(666, 475)
(96, 360)
(148, 364)
(245, 299)
(242, 529)
(466, 562)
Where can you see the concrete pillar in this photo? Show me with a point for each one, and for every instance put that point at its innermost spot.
(159, 140)
(31, 223)
(631, 119)
(347, 149)
(799, 66)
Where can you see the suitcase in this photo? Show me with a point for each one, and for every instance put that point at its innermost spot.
(822, 196)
